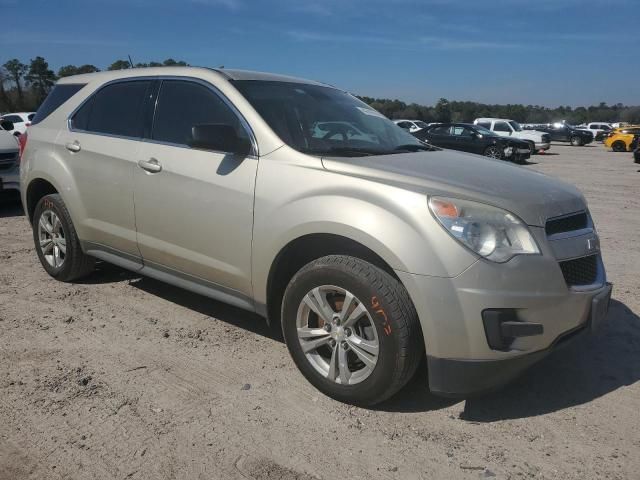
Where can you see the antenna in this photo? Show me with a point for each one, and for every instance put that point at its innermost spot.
(130, 61)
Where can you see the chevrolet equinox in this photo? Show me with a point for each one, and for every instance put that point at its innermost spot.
(295, 200)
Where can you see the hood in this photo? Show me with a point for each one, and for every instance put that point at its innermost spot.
(8, 142)
(513, 141)
(532, 196)
(530, 134)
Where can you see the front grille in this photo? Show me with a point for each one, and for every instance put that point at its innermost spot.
(569, 223)
(580, 271)
(9, 156)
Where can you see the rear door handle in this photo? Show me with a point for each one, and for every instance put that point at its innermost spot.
(152, 165)
(73, 147)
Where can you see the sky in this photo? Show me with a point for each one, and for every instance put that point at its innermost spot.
(539, 52)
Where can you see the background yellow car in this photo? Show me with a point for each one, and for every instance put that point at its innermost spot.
(620, 139)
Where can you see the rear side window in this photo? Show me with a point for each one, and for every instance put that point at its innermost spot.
(183, 104)
(57, 96)
(114, 110)
(30, 116)
(443, 130)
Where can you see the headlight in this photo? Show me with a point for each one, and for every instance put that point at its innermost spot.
(508, 151)
(491, 232)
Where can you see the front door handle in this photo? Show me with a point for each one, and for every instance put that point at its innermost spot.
(152, 165)
(73, 147)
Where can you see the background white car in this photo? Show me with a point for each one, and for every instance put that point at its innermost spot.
(411, 126)
(599, 129)
(9, 158)
(510, 128)
(20, 120)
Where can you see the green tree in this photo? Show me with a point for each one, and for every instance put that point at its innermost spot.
(16, 70)
(120, 65)
(170, 62)
(40, 78)
(87, 68)
(67, 71)
(5, 102)
(443, 111)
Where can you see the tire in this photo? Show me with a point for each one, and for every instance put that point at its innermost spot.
(61, 257)
(533, 148)
(619, 146)
(387, 319)
(493, 151)
(576, 141)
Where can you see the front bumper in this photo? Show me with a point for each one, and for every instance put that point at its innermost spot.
(461, 362)
(543, 146)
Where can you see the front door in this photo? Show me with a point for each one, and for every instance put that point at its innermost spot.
(194, 208)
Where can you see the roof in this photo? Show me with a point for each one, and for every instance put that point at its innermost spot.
(230, 74)
(491, 119)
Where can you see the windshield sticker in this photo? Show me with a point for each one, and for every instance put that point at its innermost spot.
(368, 111)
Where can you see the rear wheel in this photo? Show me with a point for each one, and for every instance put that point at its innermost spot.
(493, 151)
(56, 241)
(576, 141)
(351, 329)
(619, 146)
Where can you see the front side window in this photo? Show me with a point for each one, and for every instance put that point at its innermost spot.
(516, 126)
(114, 110)
(296, 112)
(501, 127)
(183, 105)
(441, 130)
(460, 131)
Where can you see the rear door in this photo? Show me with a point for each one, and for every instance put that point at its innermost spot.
(101, 149)
(441, 136)
(465, 139)
(194, 213)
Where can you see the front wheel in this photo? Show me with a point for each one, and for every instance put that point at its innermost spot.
(351, 329)
(56, 241)
(532, 146)
(576, 141)
(493, 151)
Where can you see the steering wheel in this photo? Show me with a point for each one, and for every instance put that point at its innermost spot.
(338, 129)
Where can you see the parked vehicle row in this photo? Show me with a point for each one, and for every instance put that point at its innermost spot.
(563, 132)
(598, 129)
(307, 206)
(472, 138)
(510, 128)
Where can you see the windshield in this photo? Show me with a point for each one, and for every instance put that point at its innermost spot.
(485, 131)
(324, 121)
(516, 126)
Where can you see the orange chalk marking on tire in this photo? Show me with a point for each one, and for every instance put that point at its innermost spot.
(386, 326)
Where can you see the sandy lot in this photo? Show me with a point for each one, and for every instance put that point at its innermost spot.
(123, 377)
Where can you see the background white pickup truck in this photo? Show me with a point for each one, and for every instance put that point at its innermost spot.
(510, 128)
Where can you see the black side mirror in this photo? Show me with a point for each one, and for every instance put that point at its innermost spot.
(6, 125)
(219, 137)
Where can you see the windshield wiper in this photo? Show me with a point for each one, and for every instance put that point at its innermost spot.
(414, 147)
(346, 151)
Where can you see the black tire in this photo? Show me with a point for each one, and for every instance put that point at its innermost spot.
(619, 146)
(75, 264)
(401, 346)
(533, 148)
(576, 141)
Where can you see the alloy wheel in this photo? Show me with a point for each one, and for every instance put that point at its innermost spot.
(337, 335)
(493, 152)
(51, 239)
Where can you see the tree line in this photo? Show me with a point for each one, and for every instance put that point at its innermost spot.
(23, 87)
(455, 111)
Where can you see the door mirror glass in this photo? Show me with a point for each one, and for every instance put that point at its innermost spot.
(219, 137)
(6, 125)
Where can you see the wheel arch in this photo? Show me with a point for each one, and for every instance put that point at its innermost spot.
(37, 188)
(304, 249)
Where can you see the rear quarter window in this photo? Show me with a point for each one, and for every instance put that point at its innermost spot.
(59, 95)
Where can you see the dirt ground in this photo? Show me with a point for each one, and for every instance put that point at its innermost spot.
(122, 377)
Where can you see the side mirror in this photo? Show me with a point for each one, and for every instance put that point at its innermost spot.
(6, 125)
(219, 137)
